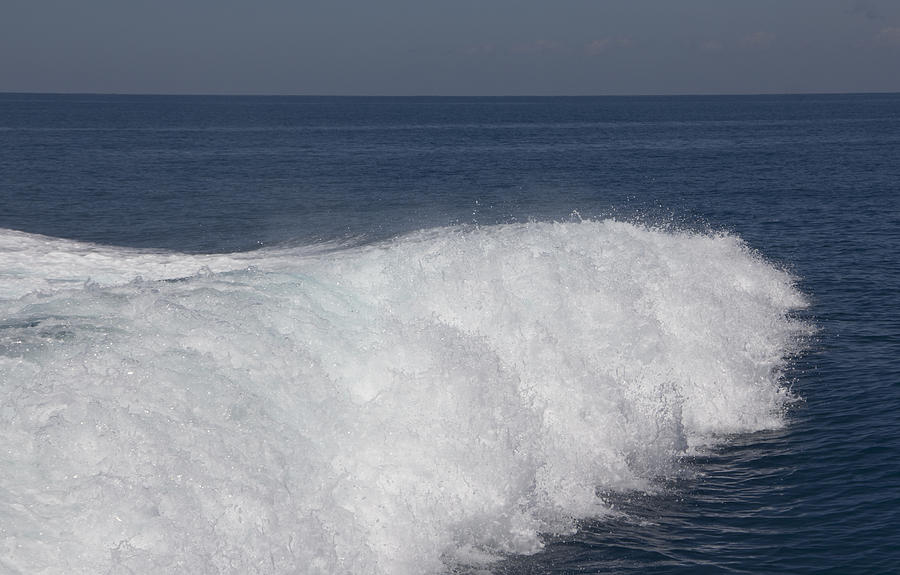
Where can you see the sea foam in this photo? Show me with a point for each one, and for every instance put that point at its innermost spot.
(442, 398)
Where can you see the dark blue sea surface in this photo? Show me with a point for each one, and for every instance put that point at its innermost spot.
(99, 194)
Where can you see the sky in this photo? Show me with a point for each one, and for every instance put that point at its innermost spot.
(450, 47)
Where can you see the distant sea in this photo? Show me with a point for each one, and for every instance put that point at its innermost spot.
(449, 335)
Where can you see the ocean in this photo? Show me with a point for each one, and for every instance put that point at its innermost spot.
(334, 335)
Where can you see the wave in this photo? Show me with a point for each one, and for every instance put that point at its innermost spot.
(442, 398)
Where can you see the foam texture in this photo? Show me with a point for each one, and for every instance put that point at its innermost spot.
(441, 398)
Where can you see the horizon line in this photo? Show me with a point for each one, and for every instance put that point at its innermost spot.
(422, 96)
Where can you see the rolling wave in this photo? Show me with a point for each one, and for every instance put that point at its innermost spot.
(442, 398)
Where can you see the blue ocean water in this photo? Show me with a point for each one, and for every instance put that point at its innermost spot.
(413, 335)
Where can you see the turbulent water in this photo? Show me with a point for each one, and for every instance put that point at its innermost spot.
(571, 394)
(445, 395)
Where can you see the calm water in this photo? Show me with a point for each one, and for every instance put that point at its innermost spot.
(343, 334)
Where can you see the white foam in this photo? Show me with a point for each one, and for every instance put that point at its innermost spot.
(394, 408)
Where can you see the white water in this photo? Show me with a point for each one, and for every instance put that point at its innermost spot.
(396, 408)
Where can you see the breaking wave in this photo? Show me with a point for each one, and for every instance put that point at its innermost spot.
(442, 398)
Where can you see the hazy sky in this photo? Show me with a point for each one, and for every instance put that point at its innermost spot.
(458, 47)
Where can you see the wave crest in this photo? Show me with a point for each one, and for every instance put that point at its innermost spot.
(442, 397)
